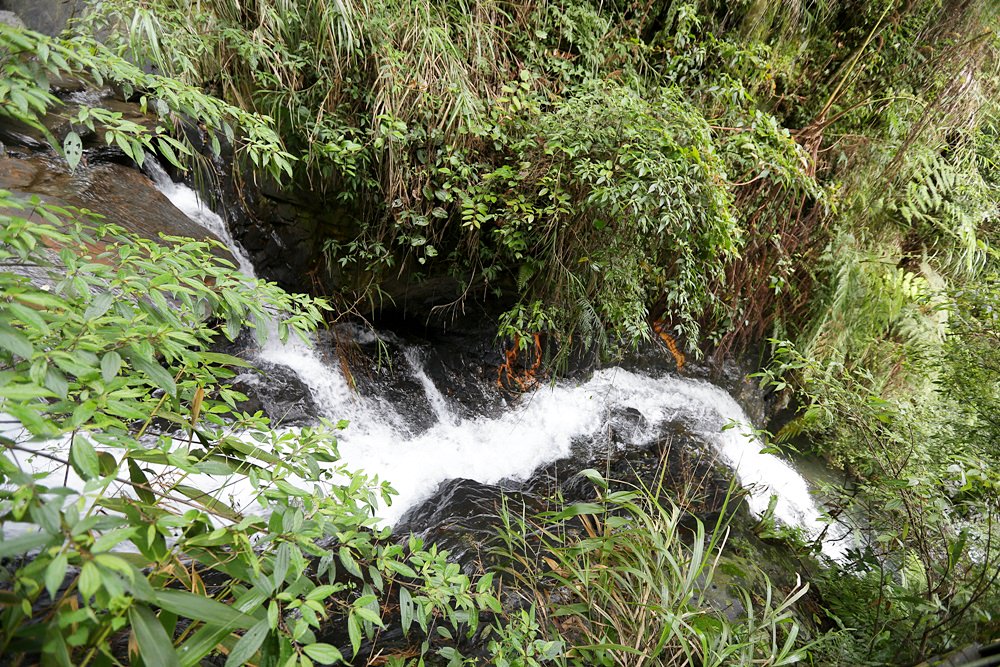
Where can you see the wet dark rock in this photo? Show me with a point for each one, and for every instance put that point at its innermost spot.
(11, 19)
(425, 299)
(460, 365)
(625, 425)
(282, 230)
(23, 139)
(685, 469)
(46, 16)
(464, 517)
(278, 393)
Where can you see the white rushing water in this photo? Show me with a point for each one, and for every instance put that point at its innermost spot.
(539, 429)
(190, 204)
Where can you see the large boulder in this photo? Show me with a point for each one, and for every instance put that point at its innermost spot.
(122, 195)
(47, 16)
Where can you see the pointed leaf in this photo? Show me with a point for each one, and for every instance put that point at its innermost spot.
(84, 459)
(155, 647)
(248, 644)
(201, 608)
(55, 573)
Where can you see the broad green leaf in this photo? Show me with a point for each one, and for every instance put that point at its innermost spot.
(140, 484)
(55, 573)
(485, 583)
(168, 152)
(272, 615)
(321, 592)
(98, 306)
(405, 609)
(354, 632)
(201, 608)
(400, 568)
(349, 563)
(90, 579)
(24, 543)
(24, 392)
(112, 562)
(281, 562)
(155, 372)
(47, 516)
(248, 644)
(56, 381)
(595, 478)
(155, 647)
(83, 458)
(369, 615)
(140, 587)
(324, 654)
(29, 316)
(111, 363)
(15, 342)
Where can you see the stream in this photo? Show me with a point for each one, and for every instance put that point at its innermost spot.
(421, 437)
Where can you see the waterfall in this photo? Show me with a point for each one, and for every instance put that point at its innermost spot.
(190, 204)
(540, 428)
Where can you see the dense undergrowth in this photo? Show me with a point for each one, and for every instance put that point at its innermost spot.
(148, 520)
(823, 176)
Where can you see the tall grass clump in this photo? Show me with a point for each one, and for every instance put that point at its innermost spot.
(624, 580)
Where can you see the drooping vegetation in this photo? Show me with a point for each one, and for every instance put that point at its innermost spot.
(819, 180)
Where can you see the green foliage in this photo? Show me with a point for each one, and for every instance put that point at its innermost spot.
(124, 449)
(629, 585)
(558, 162)
(31, 62)
(823, 172)
(616, 203)
(923, 500)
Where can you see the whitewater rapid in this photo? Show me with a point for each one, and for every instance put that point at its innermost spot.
(538, 429)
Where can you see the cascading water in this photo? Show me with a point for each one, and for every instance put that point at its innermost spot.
(541, 428)
(189, 203)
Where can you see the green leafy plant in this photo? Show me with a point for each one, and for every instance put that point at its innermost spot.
(31, 62)
(628, 586)
(144, 512)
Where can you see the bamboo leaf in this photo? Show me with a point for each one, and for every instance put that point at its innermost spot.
(155, 647)
(201, 608)
(248, 644)
(209, 502)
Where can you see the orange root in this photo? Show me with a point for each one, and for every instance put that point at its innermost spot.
(658, 327)
(508, 377)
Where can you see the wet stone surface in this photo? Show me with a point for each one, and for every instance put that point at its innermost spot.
(118, 193)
